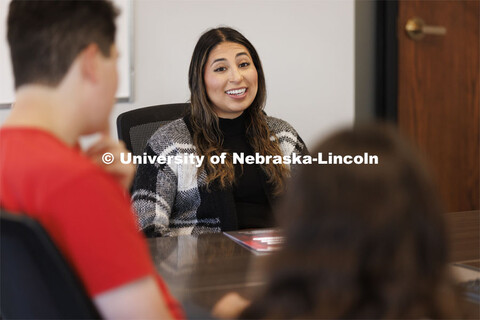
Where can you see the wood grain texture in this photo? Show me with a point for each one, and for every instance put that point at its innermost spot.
(438, 95)
(201, 269)
(463, 229)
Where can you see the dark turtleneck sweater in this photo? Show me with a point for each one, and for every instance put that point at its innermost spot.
(251, 202)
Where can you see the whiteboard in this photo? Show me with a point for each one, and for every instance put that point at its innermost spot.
(124, 40)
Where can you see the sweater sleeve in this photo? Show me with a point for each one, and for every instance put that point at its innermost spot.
(300, 146)
(288, 139)
(154, 191)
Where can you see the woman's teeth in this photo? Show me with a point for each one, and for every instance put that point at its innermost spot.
(236, 92)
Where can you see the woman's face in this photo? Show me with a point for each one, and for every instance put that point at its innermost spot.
(230, 79)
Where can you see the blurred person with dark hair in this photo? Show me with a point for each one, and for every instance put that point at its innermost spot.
(65, 67)
(362, 241)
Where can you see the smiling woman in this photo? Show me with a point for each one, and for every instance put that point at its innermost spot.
(231, 79)
(228, 94)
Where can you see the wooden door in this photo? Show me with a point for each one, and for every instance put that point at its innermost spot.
(438, 95)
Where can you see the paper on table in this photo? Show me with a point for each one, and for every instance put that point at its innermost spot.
(259, 241)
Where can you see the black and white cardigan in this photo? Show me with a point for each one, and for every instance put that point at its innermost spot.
(172, 200)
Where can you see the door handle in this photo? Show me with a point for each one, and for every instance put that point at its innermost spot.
(417, 29)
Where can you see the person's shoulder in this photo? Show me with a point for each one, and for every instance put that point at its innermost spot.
(277, 125)
(175, 126)
(38, 149)
(28, 137)
(50, 165)
(177, 129)
(173, 133)
(287, 136)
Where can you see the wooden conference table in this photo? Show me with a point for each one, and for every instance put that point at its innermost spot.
(201, 269)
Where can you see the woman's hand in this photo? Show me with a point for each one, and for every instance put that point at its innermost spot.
(230, 306)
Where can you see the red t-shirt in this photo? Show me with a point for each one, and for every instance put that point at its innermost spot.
(83, 208)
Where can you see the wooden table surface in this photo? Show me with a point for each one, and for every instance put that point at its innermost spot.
(201, 269)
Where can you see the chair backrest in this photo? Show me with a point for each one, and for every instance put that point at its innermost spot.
(36, 282)
(135, 127)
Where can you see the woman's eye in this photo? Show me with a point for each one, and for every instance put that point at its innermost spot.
(220, 69)
(244, 64)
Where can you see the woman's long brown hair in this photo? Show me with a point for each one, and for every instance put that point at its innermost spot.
(207, 137)
(362, 241)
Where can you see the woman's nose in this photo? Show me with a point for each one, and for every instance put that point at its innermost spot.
(235, 75)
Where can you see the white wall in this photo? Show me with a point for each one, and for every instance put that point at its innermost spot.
(307, 50)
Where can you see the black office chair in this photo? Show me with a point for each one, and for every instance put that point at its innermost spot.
(36, 282)
(135, 127)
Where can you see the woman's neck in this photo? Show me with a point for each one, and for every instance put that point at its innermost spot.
(234, 126)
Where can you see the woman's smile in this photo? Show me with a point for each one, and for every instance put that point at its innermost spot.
(239, 93)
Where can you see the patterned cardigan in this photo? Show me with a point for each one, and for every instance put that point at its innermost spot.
(171, 199)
